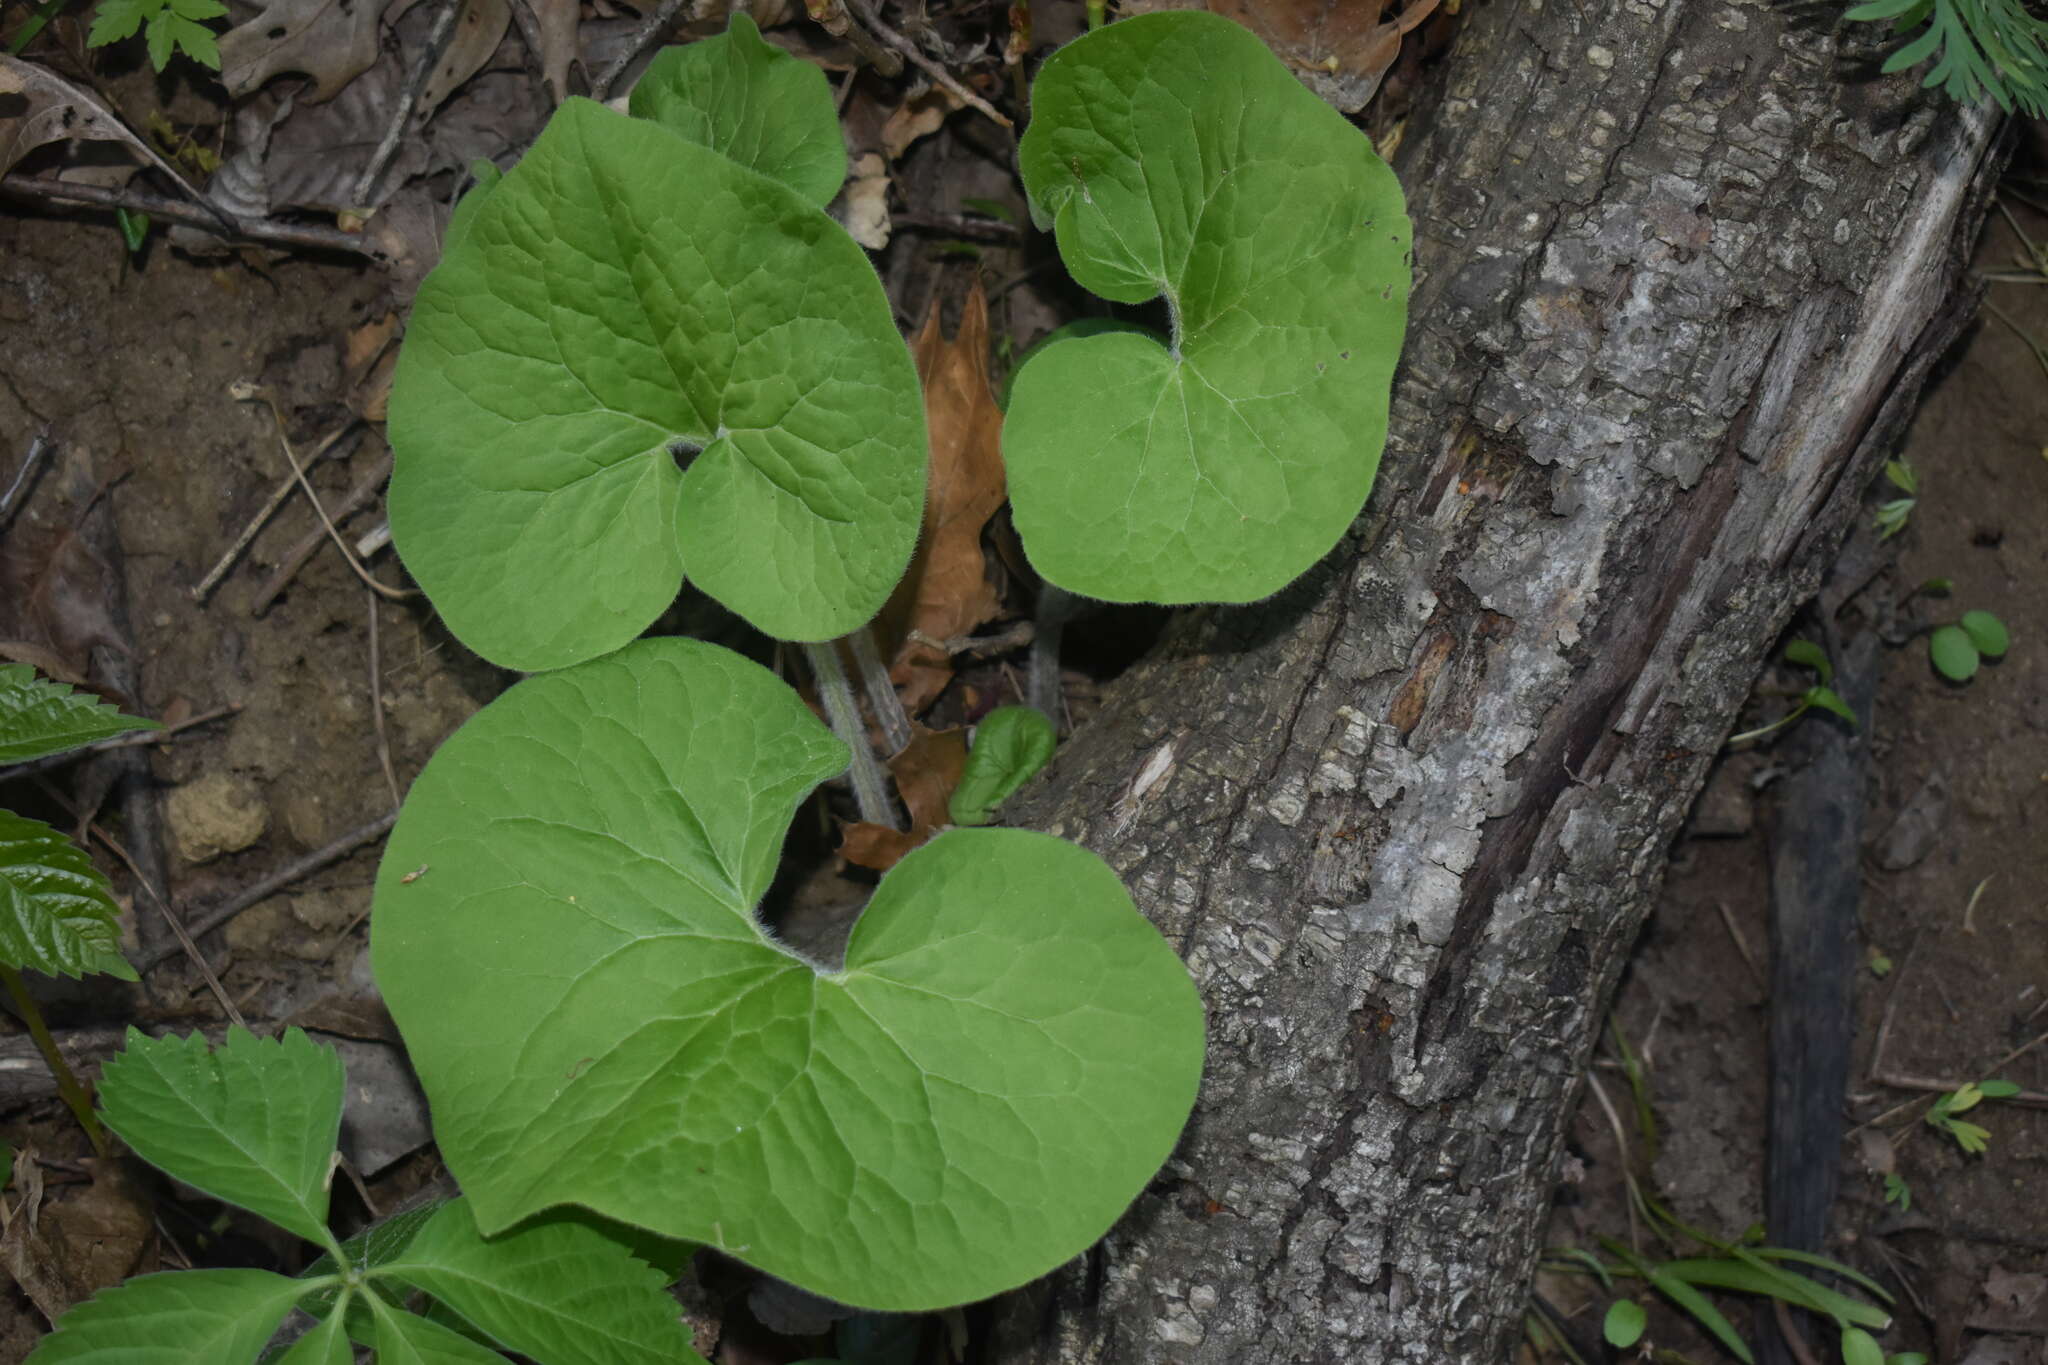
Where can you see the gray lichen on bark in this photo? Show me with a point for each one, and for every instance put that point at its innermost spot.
(1680, 269)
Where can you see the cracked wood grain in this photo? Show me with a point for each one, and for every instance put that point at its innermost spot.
(1681, 270)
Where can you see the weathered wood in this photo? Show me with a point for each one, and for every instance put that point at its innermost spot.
(1680, 272)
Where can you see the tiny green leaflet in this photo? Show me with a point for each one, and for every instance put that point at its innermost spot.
(1003, 1060)
(624, 301)
(1176, 157)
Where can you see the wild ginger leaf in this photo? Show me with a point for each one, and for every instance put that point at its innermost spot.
(1010, 745)
(558, 1290)
(752, 103)
(176, 1318)
(251, 1122)
(39, 717)
(1005, 1059)
(621, 296)
(57, 913)
(1175, 156)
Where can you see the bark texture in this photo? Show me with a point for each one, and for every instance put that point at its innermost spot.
(1681, 269)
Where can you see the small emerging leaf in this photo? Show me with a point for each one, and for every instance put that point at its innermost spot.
(1860, 1348)
(1899, 473)
(1998, 1090)
(57, 913)
(1953, 654)
(1827, 700)
(1623, 1326)
(40, 717)
(1986, 632)
(1969, 1136)
(1010, 745)
(252, 1122)
(1807, 654)
(175, 1318)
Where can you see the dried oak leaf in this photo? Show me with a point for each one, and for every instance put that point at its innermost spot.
(1340, 48)
(946, 592)
(926, 772)
(333, 41)
(478, 31)
(54, 110)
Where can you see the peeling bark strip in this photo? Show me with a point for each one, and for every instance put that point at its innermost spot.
(1681, 271)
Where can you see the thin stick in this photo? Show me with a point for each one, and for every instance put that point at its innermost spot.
(430, 57)
(865, 12)
(251, 393)
(185, 942)
(128, 741)
(377, 705)
(277, 881)
(288, 568)
(48, 190)
(203, 589)
(529, 33)
(76, 1098)
(37, 450)
(869, 791)
(1741, 946)
(650, 29)
(959, 225)
(882, 698)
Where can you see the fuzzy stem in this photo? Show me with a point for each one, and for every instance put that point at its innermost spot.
(870, 792)
(68, 1085)
(881, 693)
(1056, 607)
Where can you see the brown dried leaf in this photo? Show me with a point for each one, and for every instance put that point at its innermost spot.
(946, 592)
(368, 361)
(914, 118)
(333, 41)
(926, 772)
(477, 35)
(557, 20)
(54, 111)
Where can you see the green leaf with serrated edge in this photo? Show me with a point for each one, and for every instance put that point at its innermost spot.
(1954, 656)
(221, 1317)
(556, 1289)
(752, 103)
(1986, 632)
(325, 1343)
(118, 19)
(252, 1122)
(1623, 1325)
(1010, 745)
(39, 717)
(1177, 156)
(57, 913)
(598, 1018)
(621, 291)
(1807, 654)
(407, 1339)
(368, 1249)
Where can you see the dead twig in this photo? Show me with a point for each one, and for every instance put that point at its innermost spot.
(651, 28)
(328, 445)
(961, 225)
(865, 12)
(38, 450)
(1741, 946)
(128, 741)
(430, 57)
(358, 498)
(191, 949)
(377, 706)
(252, 393)
(48, 189)
(277, 881)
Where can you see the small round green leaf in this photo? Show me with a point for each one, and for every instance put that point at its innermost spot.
(1176, 156)
(751, 103)
(1623, 1326)
(1954, 656)
(1005, 1058)
(1986, 632)
(621, 299)
(1010, 745)
(1860, 1348)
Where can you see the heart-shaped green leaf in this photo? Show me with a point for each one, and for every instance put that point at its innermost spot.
(624, 297)
(752, 103)
(1004, 1059)
(1010, 745)
(57, 913)
(252, 1122)
(1177, 157)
